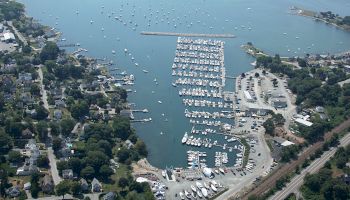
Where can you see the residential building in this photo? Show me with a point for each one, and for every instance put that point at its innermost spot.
(96, 186)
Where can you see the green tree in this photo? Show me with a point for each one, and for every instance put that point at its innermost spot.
(41, 112)
(5, 142)
(41, 128)
(121, 127)
(75, 188)
(14, 157)
(49, 52)
(140, 147)
(43, 161)
(63, 188)
(67, 126)
(79, 110)
(75, 164)
(105, 171)
(35, 89)
(88, 172)
(123, 182)
(56, 144)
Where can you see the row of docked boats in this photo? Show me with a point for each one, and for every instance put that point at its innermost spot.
(200, 190)
(197, 82)
(195, 68)
(199, 92)
(194, 74)
(220, 158)
(206, 103)
(207, 115)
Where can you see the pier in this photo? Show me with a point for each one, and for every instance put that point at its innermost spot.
(188, 34)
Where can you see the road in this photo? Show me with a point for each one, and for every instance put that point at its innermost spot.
(19, 35)
(52, 158)
(316, 165)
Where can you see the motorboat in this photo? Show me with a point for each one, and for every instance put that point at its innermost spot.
(184, 139)
(199, 185)
(182, 196)
(213, 188)
(187, 194)
(193, 188)
(222, 170)
(164, 173)
(204, 192)
(199, 193)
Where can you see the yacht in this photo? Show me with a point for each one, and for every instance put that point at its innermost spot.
(164, 173)
(213, 188)
(182, 196)
(160, 102)
(204, 192)
(199, 185)
(184, 139)
(145, 71)
(206, 185)
(187, 194)
(193, 188)
(199, 194)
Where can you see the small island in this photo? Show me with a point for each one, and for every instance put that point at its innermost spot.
(327, 17)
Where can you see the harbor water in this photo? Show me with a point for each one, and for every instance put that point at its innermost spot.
(108, 26)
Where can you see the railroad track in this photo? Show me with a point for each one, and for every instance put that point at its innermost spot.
(270, 181)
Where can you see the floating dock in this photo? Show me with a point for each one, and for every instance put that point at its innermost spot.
(188, 34)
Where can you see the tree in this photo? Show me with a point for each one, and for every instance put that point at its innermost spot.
(43, 161)
(121, 127)
(41, 112)
(269, 126)
(75, 188)
(34, 189)
(256, 74)
(55, 128)
(79, 109)
(49, 52)
(75, 164)
(105, 171)
(123, 182)
(14, 157)
(140, 147)
(41, 128)
(5, 142)
(96, 159)
(67, 126)
(88, 172)
(56, 144)
(35, 89)
(123, 155)
(62, 188)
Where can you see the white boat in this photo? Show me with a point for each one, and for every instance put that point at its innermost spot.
(182, 196)
(193, 188)
(213, 188)
(199, 194)
(184, 139)
(214, 182)
(187, 194)
(193, 195)
(199, 185)
(160, 102)
(145, 71)
(164, 173)
(222, 170)
(206, 185)
(204, 192)
(113, 52)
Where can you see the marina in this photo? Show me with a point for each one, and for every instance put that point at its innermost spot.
(204, 61)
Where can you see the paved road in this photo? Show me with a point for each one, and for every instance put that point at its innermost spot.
(316, 165)
(52, 158)
(19, 35)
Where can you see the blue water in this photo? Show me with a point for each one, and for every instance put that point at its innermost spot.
(267, 19)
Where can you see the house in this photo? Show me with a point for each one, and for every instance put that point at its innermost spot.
(27, 134)
(319, 109)
(27, 186)
(279, 103)
(128, 144)
(57, 114)
(47, 184)
(110, 196)
(32, 113)
(67, 174)
(282, 142)
(26, 97)
(13, 191)
(346, 179)
(29, 167)
(96, 186)
(84, 185)
(25, 77)
(8, 37)
(60, 103)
